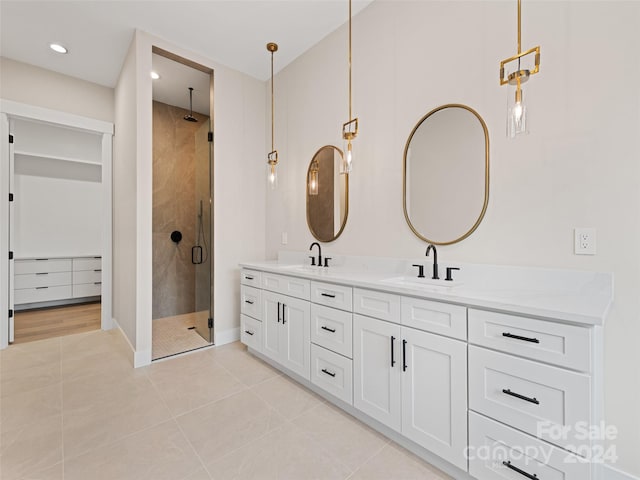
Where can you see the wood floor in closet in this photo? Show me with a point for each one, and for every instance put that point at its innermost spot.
(31, 325)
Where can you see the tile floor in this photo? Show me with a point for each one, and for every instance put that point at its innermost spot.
(73, 408)
(171, 335)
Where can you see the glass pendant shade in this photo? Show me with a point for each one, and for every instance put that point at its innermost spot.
(516, 114)
(313, 183)
(272, 176)
(347, 158)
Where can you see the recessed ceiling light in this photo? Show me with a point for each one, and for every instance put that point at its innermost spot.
(155, 76)
(56, 47)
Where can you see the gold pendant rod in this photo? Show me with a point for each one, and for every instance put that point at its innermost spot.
(519, 28)
(350, 117)
(272, 104)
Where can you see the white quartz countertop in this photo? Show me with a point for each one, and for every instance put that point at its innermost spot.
(579, 297)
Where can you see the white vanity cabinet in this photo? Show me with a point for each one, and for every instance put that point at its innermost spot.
(464, 383)
(414, 382)
(286, 331)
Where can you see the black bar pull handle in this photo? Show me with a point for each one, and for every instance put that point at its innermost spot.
(283, 317)
(42, 273)
(249, 302)
(249, 332)
(328, 295)
(331, 374)
(278, 312)
(393, 357)
(521, 472)
(506, 391)
(41, 288)
(332, 330)
(518, 337)
(248, 277)
(404, 355)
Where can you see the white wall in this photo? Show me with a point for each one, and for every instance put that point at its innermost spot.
(239, 188)
(579, 166)
(124, 198)
(32, 85)
(57, 217)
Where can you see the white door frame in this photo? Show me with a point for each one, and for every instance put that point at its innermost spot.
(11, 110)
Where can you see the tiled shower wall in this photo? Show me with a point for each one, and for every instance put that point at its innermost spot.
(174, 207)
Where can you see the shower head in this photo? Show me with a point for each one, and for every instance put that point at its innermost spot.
(189, 117)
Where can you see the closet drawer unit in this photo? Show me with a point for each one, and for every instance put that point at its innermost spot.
(538, 399)
(436, 317)
(385, 306)
(250, 278)
(87, 290)
(560, 344)
(336, 296)
(292, 286)
(250, 302)
(87, 276)
(332, 329)
(251, 332)
(87, 263)
(32, 280)
(333, 373)
(42, 265)
(41, 294)
(498, 452)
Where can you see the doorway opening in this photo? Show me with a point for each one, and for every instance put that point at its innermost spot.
(182, 292)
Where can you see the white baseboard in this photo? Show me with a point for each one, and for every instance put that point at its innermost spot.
(607, 472)
(227, 336)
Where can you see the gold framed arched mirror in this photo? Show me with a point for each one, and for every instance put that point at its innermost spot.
(446, 174)
(327, 194)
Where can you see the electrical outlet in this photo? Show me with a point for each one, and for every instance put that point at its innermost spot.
(284, 238)
(584, 241)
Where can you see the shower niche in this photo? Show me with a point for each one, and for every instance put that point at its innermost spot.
(182, 206)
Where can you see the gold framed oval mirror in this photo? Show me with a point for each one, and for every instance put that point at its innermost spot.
(446, 174)
(327, 194)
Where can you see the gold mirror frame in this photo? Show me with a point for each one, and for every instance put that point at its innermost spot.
(486, 170)
(346, 194)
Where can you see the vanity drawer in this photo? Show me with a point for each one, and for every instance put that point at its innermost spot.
(385, 306)
(333, 373)
(42, 265)
(87, 276)
(332, 329)
(250, 278)
(88, 263)
(336, 296)
(87, 290)
(251, 302)
(41, 294)
(251, 332)
(292, 286)
(527, 395)
(32, 280)
(557, 343)
(436, 317)
(491, 444)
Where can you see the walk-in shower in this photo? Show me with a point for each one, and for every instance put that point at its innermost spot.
(182, 209)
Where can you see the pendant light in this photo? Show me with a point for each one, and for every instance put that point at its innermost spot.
(516, 108)
(272, 157)
(313, 176)
(350, 128)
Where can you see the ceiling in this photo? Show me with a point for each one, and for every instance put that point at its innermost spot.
(231, 32)
(173, 85)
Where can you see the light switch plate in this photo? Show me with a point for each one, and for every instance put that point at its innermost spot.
(584, 241)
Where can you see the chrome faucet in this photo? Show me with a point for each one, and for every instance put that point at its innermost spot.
(435, 261)
(319, 254)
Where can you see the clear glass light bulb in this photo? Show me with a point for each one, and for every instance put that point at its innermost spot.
(346, 165)
(516, 116)
(272, 177)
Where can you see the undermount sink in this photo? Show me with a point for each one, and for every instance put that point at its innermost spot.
(422, 283)
(303, 268)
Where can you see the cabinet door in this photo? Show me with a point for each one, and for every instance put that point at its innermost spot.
(295, 339)
(434, 394)
(271, 336)
(376, 372)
